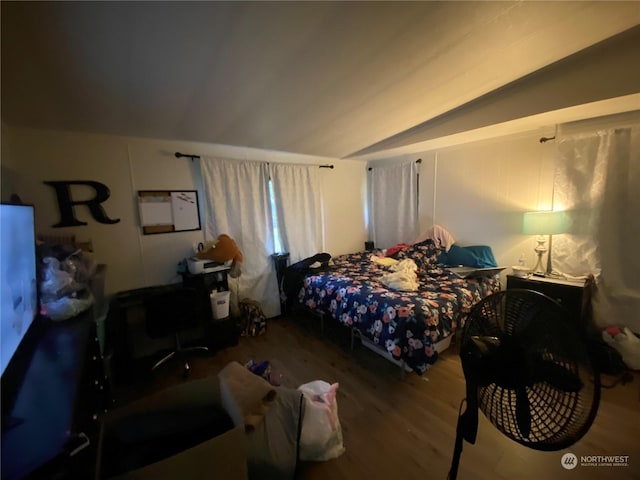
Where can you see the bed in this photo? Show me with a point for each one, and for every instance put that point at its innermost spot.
(410, 327)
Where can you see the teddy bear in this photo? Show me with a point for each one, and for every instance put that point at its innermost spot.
(222, 250)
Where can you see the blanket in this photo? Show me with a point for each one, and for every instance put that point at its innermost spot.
(403, 276)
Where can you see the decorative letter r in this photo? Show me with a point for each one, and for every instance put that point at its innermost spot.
(65, 204)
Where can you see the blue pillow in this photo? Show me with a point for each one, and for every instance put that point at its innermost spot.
(479, 256)
(484, 256)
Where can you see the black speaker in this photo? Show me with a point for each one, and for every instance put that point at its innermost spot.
(368, 245)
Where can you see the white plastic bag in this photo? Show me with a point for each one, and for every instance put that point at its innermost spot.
(626, 343)
(62, 296)
(67, 307)
(321, 435)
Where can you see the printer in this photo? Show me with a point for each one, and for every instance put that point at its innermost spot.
(197, 266)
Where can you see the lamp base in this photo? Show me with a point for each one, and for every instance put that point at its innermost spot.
(540, 250)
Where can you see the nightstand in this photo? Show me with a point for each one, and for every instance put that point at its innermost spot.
(567, 293)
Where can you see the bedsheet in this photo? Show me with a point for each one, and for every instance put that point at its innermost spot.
(404, 324)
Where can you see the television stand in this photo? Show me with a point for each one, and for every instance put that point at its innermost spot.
(10, 422)
(60, 398)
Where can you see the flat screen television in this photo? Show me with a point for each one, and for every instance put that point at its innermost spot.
(42, 363)
(18, 275)
(21, 329)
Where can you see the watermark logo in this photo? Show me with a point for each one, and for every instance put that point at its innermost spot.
(604, 460)
(569, 461)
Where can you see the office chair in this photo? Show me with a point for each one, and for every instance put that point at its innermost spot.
(168, 311)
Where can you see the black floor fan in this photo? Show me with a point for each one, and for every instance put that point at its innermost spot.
(527, 368)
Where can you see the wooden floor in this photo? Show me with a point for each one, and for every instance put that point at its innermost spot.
(405, 428)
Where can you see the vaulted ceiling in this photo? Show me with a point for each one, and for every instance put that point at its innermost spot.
(320, 78)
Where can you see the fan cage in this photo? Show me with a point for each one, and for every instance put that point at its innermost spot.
(558, 418)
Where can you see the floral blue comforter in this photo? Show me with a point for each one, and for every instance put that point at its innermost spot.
(405, 324)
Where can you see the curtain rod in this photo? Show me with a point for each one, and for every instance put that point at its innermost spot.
(197, 157)
(417, 161)
(186, 155)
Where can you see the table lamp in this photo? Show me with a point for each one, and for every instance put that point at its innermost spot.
(542, 224)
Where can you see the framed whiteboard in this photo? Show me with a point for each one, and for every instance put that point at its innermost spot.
(167, 211)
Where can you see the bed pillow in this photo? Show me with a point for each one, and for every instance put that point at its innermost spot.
(479, 256)
(424, 254)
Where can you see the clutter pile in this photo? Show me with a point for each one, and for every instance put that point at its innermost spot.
(264, 370)
(65, 281)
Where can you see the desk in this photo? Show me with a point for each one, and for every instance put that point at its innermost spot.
(128, 339)
(126, 336)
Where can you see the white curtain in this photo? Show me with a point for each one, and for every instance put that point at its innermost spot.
(237, 203)
(597, 179)
(394, 204)
(296, 189)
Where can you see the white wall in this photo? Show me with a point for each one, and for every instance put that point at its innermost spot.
(479, 191)
(126, 165)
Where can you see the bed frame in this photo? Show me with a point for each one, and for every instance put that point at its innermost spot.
(440, 346)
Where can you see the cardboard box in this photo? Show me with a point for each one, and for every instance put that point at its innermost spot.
(224, 454)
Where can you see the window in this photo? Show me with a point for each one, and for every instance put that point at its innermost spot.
(277, 241)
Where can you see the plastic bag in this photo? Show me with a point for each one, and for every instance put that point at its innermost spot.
(56, 283)
(64, 289)
(79, 267)
(625, 342)
(321, 435)
(67, 307)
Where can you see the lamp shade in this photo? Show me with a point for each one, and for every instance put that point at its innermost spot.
(545, 223)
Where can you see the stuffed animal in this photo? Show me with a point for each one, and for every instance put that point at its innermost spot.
(222, 250)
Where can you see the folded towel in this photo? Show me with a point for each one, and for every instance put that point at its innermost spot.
(246, 396)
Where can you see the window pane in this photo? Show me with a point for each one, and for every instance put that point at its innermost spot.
(277, 243)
